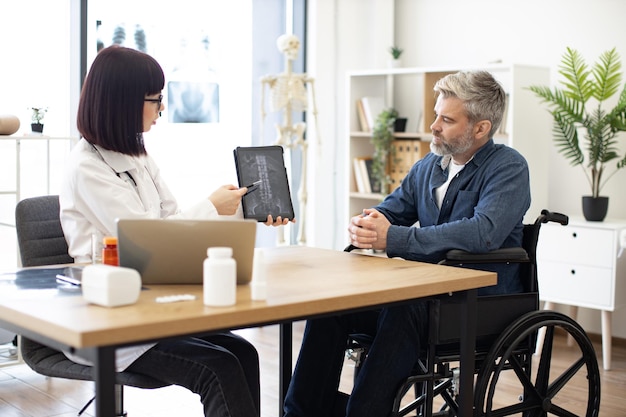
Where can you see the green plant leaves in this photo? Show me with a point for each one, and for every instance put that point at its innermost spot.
(583, 88)
(566, 138)
(395, 52)
(578, 87)
(607, 76)
(382, 138)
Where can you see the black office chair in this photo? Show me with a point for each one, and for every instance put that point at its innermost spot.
(506, 332)
(41, 242)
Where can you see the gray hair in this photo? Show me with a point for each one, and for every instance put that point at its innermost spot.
(483, 96)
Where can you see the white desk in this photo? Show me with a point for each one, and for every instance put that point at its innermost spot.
(302, 283)
(582, 265)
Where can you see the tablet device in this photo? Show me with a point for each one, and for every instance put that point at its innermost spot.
(263, 168)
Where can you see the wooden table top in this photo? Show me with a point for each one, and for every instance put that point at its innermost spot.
(302, 282)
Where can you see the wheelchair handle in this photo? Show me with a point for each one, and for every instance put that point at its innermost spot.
(551, 216)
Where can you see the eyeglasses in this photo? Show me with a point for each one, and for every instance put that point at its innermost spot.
(155, 100)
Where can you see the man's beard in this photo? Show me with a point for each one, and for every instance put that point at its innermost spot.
(457, 146)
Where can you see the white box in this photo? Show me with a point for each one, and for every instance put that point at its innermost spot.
(110, 286)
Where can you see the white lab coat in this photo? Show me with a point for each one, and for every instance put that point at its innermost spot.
(101, 186)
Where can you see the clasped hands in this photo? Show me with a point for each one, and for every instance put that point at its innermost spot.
(369, 230)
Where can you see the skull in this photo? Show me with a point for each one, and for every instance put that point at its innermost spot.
(288, 45)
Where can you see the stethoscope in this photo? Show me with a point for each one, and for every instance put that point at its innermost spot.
(129, 178)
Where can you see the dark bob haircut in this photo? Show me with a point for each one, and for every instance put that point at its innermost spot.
(110, 111)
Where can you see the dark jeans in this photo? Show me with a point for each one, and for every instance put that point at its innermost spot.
(222, 368)
(394, 352)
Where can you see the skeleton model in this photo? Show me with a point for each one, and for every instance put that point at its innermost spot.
(288, 93)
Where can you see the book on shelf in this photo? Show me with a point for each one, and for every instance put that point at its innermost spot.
(372, 183)
(365, 127)
(364, 176)
(406, 153)
(372, 107)
(358, 175)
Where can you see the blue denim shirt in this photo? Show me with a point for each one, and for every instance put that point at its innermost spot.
(482, 210)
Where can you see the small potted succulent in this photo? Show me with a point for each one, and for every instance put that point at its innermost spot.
(395, 52)
(37, 118)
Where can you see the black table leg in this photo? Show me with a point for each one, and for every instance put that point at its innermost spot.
(104, 377)
(467, 357)
(285, 363)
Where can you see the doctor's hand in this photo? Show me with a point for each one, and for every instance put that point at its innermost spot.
(278, 222)
(369, 230)
(227, 198)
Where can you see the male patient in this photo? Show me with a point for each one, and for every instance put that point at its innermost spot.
(468, 193)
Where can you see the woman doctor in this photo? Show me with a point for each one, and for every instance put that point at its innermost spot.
(109, 175)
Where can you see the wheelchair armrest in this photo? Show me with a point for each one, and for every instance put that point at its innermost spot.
(504, 255)
(458, 256)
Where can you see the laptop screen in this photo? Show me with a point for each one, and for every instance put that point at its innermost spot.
(173, 251)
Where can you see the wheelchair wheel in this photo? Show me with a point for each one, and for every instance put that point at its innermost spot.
(543, 390)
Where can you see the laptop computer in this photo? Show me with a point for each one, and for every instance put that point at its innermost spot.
(172, 251)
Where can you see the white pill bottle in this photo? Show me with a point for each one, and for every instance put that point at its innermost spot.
(220, 277)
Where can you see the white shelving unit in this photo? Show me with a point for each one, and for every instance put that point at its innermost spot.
(410, 91)
(29, 165)
(38, 155)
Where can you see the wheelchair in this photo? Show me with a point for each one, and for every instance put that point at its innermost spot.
(506, 337)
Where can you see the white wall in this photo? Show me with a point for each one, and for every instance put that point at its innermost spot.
(457, 33)
(453, 33)
(29, 51)
(342, 35)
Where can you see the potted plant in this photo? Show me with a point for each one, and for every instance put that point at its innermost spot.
(382, 139)
(395, 52)
(37, 118)
(577, 109)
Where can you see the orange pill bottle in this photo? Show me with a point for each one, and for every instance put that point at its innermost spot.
(109, 251)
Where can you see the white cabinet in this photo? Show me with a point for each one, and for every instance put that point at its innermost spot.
(410, 91)
(582, 265)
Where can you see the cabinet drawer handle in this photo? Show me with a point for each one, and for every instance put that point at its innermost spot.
(574, 235)
(573, 272)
